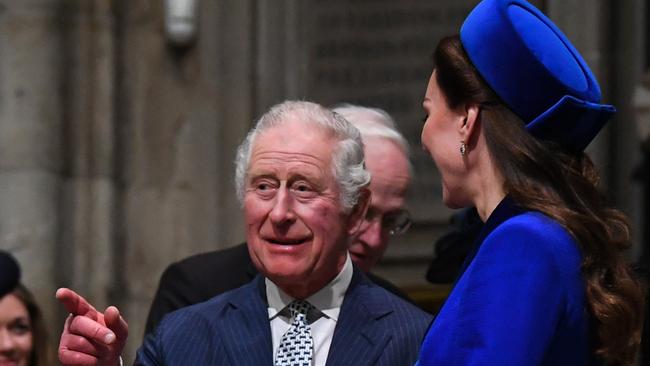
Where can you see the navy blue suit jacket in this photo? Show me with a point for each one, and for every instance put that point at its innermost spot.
(200, 277)
(375, 327)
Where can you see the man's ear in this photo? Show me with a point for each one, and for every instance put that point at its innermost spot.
(468, 126)
(358, 213)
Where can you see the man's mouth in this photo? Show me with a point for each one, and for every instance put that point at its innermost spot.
(286, 241)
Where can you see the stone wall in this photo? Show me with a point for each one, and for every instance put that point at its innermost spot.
(116, 147)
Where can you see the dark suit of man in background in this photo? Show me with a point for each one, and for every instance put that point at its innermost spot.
(200, 277)
(303, 185)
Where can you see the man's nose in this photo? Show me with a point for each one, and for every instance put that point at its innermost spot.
(282, 210)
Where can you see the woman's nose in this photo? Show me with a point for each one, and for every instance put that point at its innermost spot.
(6, 340)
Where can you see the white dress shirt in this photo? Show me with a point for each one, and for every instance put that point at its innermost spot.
(327, 303)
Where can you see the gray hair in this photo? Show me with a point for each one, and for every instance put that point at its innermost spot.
(348, 158)
(373, 122)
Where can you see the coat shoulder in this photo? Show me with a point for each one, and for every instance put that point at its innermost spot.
(214, 306)
(536, 237)
(214, 261)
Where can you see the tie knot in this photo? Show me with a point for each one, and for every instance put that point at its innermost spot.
(300, 307)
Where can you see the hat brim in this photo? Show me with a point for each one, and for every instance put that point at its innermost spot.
(572, 123)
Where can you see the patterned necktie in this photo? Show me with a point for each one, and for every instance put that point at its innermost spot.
(296, 346)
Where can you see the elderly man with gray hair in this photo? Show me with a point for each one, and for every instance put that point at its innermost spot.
(386, 156)
(304, 191)
(203, 276)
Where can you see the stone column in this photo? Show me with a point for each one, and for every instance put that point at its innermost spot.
(627, 69)
(31, 142)
(182, 113)
(86, 249)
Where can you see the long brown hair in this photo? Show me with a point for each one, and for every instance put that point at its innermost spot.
(42, 353)
(541, 176)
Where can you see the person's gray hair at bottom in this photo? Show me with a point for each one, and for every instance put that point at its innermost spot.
(347, 160)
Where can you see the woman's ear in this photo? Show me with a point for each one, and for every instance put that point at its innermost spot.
(469, 123)
(358, 213)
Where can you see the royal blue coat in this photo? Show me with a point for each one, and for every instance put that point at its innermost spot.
(519, 301)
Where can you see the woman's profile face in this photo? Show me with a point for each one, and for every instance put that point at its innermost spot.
(15, 332)
(441, 139)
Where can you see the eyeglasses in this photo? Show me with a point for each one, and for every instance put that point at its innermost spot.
(395, 223)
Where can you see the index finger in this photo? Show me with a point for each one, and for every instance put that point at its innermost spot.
(75, 303)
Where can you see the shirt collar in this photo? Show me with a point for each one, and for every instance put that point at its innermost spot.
(327, 300)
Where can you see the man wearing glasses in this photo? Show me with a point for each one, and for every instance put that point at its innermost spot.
(386, 153)
(203, 276)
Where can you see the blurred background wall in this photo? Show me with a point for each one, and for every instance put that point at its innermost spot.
(116, 143)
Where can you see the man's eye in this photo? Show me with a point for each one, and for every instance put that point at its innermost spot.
(371, 214)
(302, 188)
(265, 188)
(264, 185)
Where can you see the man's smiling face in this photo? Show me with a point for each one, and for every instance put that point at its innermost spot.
(296, 226)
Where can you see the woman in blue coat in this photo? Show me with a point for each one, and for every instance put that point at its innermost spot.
(511, 106)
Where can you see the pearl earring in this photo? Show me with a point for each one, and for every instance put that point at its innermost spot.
(463, 148)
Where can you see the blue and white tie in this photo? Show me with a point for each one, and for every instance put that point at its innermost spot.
(296, 346)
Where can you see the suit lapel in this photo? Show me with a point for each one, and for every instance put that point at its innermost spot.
(246, 327)
(358, 337)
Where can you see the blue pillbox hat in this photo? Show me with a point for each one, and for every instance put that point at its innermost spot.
(9, 273)
(536, 71)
